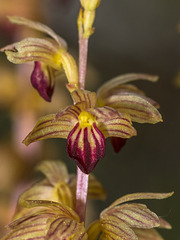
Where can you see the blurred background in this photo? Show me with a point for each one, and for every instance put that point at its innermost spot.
(130, 37)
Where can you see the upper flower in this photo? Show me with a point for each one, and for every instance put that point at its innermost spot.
(85, 126)
(50, 57)
(127, 98)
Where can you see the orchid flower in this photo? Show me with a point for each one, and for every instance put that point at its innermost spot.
(50, 221)
(120, 221)
(127, 98)
(85, 126)
(50, 56)
(129, 220)
(58, 186)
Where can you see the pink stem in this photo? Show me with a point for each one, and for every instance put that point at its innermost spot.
(82, 178)
(81, 194)
(83, 51)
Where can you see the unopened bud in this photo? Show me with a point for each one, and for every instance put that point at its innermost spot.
(90, 5)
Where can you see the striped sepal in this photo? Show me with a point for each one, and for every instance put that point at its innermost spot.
(49, 127)
(55, 171)
(137, 196)
(113, 124)
(39, 27)
(84, 96)
(115, 83)
(116, 229)
(134, 215)
(32, 49)
(61, 228)
(29, 227)
(137, 106)
(147, 234)
(86, 146)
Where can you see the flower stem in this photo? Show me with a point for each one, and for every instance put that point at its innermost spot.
(83, 51)
(82, 178)
(81, 194)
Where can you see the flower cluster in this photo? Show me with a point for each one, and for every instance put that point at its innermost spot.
(53, 220)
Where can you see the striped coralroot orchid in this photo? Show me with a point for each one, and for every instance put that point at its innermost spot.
(50, 57)
(50, 221)
(58, 186)
(127, 98)
(85, 126)
(129, 221)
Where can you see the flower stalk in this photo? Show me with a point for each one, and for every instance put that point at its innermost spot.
(81, 193)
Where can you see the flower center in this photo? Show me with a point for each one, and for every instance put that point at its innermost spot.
(86, 119)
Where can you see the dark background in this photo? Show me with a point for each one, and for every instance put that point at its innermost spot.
(134, 36)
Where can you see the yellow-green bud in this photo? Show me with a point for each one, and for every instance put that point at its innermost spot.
(90, 5)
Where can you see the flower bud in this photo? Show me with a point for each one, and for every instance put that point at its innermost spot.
(90, 5)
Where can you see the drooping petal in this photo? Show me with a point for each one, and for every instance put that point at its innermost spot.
(116, 229)
(55, 171)
(33, 49)
(84, 96)
(116, 82)
(137, 196)
(139, 109)
(112, 124)
(40, 27)
(42, 80)
(147, 234)
(94, 230)
(134, 215)
(49, 127)
(86, 146)
(60, 228)
(118, 143)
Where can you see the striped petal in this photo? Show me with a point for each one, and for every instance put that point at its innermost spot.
(54, 207)
(112, 124)
(147, 234)
(116, 229)
(55, 171)
(134, 215)
(84, 96)
(86, 146)
(40, 192)
(50, 127)
(115, 83)
(33, 49)
(137, 196)
(42, 80)
(60, 228)
(39, 27)
(139, 109)
(29, 227)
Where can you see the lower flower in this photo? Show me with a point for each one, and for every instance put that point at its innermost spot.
(129, 221)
